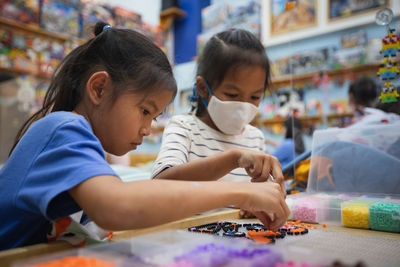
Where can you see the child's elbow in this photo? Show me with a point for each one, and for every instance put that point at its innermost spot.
(117, 217)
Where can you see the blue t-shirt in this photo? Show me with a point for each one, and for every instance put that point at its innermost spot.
(285, 151)
(57, 153)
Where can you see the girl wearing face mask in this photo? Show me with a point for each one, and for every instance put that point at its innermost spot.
(217, 142)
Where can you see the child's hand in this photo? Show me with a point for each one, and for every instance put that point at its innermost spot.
(267, 203)
(244, 214)
(260, 166)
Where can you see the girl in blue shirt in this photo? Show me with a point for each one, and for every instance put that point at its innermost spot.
(103, 97)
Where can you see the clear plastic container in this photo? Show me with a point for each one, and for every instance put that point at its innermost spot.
(316, 208)
(363, 159)
(310, 209)
(182, 248)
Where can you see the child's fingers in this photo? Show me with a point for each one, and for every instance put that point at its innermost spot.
(255, 169)
(244, 214)
(264, 218)
(280, 220)
(265, 171)
(285, 208)
(278, 175)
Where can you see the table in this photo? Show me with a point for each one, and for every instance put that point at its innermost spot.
(9, 256)
(12, 255)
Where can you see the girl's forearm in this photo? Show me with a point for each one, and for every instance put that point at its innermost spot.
(206, 169)
(149, 203)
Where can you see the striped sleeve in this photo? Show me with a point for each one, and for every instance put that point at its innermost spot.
(175, 146)
(263, 148)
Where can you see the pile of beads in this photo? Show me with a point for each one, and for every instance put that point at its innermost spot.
(385, 217)
(356, 214)
(311, 209)
(76, 261)
(220, 255)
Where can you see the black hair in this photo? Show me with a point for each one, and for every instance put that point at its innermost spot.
(130, 58)
(364, 91)
(293, 130)
(226, 50)
(392, 107)
(4, 77)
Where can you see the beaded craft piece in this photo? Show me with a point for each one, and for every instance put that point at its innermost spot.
(254, 231)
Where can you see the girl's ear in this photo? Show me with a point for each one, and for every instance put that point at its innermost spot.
(97, 86)
(201, 87)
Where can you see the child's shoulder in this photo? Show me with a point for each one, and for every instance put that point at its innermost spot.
(251, 130)
(183, 119)
(59, 118)
(60, 124)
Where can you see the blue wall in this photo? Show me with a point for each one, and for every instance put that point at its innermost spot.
(186, 30)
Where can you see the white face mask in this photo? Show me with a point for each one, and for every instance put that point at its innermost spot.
(230, 117)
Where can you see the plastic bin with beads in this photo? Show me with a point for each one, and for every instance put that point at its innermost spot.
(167, 249)
(354, 179)
(79, 257)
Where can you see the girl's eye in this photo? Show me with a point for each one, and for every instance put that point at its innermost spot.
(231, 95)
(255, 97)
(145, 111)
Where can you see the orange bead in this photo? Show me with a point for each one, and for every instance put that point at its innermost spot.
(324, 225)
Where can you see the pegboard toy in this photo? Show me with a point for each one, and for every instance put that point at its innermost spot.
(389, 93)
(254, 231)
(388, 69)
(390, 48)
(390, 44)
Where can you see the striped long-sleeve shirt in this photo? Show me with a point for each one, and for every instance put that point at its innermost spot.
(187, 138)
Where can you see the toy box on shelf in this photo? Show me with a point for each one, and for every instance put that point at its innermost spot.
(127, 18)
(26, 11)
(243, 14)
(354, 179)
(62, 16)
(94, 11)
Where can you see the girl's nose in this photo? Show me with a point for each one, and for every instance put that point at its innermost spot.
(145, 131)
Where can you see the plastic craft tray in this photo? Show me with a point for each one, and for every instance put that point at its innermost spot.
(377, 212)
(95, 258)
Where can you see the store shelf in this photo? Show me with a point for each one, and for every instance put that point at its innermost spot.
(36, 30)
(15, 71)
(294, 79)
(307, 119)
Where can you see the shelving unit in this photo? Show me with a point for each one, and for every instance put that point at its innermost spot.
(35, 30)
(303, 78)
(19, 72)
(307, 119)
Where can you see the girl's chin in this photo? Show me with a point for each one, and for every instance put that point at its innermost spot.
(133, 146)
